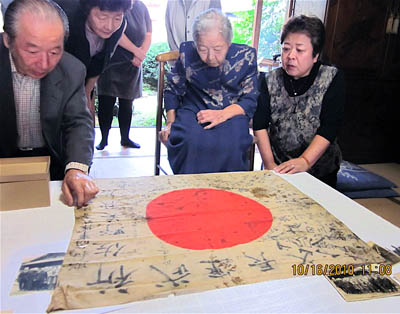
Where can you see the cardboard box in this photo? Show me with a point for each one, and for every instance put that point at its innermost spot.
(24, 182)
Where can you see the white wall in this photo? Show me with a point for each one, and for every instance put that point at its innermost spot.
(236, 5)
(1, 20)
(311, 7)
(157, 14)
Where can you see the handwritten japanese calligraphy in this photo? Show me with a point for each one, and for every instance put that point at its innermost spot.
(114, 257)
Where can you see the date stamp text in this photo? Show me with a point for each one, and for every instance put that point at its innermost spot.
(340, 269)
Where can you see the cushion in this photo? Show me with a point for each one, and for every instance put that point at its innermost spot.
(355, 178)
(376, 193)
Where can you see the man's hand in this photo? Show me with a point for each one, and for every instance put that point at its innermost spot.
(78, 188)
(215, 117)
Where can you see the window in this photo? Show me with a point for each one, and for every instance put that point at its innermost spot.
(274, 13)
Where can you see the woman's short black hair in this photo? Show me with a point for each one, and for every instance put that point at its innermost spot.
(106, 5)
(310, 26)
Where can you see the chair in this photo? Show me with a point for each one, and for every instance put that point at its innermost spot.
(163, 58)
(251, 152)
(268, 65)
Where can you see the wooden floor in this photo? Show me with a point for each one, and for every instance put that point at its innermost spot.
(116, 161)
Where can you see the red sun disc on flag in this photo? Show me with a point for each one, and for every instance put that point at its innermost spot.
(200, 219)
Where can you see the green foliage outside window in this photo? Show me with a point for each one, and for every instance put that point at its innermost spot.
(242, 25)
(273, 16)
(150, 65)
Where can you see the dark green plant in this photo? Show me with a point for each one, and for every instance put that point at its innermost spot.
(150, 65)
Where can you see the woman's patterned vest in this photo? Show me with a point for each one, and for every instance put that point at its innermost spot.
(295, 120)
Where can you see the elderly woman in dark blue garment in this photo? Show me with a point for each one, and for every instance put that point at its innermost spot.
(210, 97)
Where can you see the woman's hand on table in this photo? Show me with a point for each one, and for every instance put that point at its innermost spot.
(270, 166)
(291, 166)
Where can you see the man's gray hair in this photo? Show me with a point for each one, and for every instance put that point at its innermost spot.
(44, 9)
(212, 19)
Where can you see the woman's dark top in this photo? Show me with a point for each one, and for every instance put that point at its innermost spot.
(332, 107)
(77, 43)
(121, 78)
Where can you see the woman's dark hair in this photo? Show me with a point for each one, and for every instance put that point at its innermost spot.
(46, 9)
(310, 26)
(106, 5)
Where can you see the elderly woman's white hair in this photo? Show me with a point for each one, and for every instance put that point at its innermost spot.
(209, 20)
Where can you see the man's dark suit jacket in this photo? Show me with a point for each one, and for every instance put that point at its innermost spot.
(67, 125)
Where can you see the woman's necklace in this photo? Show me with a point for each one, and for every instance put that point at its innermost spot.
(298, 86)
(292, 86)
(294, 92)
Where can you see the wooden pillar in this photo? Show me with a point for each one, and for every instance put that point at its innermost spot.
(292, 8)
(257, 24)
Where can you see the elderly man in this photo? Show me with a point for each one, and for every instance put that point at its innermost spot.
(42, 99)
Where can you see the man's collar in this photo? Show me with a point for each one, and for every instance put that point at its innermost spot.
(90, 31)
(13, 68)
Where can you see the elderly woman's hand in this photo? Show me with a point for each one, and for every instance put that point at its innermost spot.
(163, 135)
(214, 117)
(293, 166)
